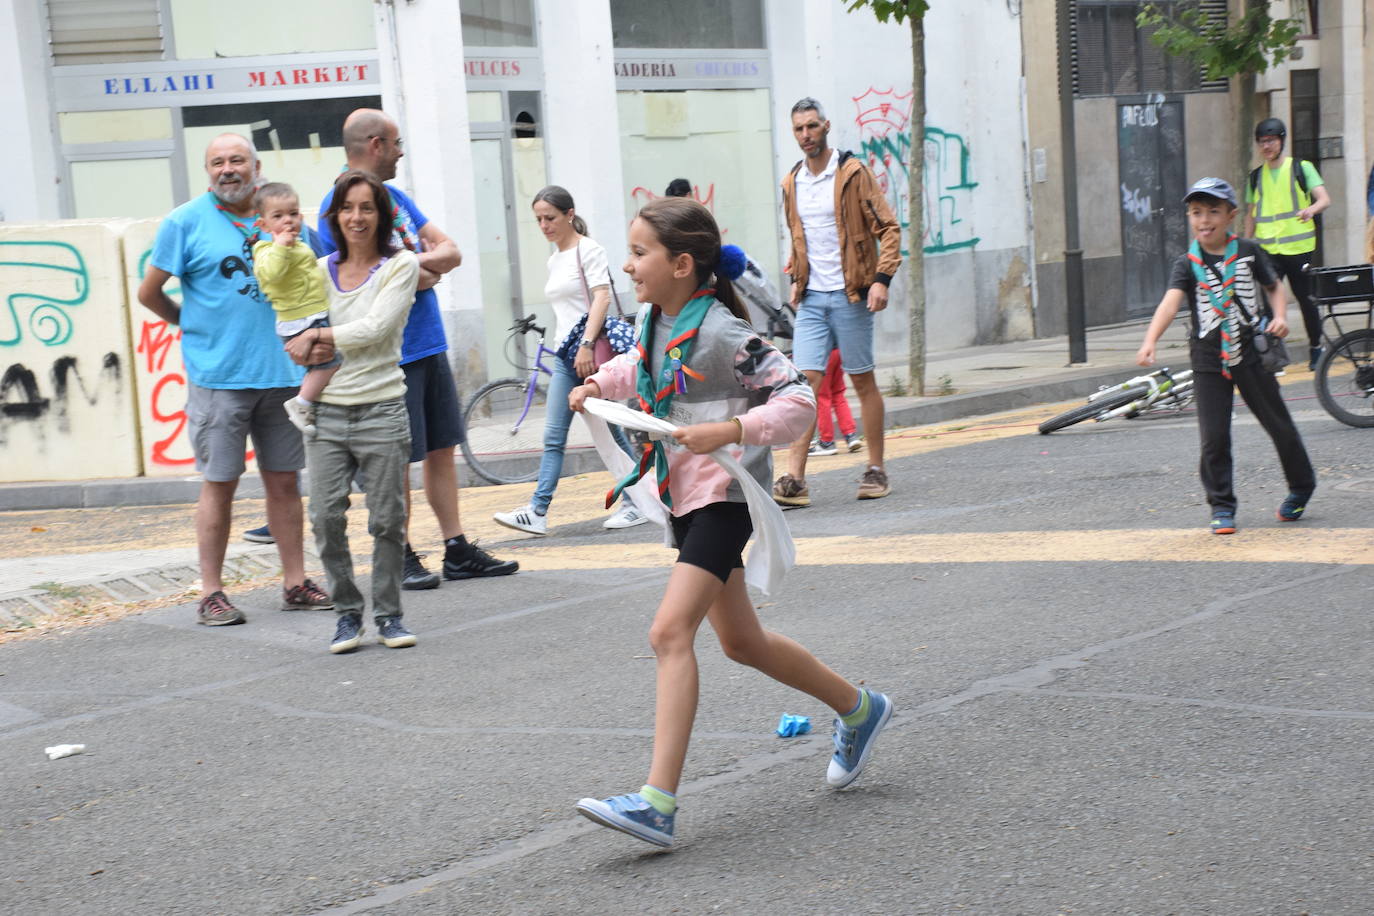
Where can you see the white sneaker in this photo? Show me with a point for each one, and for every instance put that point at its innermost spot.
(627, 516)
(300, 413)
(523, 519)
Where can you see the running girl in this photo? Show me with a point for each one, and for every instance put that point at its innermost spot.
(702, 366)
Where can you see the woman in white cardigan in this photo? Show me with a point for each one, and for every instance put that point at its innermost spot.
(361, 425)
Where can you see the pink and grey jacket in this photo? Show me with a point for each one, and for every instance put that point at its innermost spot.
(742, 376)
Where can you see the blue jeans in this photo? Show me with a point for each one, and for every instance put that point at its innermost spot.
(827, 320)
(557, 419)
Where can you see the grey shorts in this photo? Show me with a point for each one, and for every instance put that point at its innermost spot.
(220, 422)
(436, 417)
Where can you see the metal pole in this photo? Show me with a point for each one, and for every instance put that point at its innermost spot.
(1073, 253)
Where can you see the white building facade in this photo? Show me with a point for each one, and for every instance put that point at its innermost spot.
(496, 98)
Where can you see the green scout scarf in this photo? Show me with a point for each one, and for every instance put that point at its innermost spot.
(656, 395)
(1225, 304)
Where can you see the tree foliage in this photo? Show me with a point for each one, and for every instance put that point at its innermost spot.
(1252, 44)
(895, 10)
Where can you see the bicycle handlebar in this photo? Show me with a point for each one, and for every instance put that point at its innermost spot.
(526, 324)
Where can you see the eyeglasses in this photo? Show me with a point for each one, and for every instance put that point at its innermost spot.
(398, 142)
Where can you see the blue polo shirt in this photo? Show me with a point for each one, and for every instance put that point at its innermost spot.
(424, 332)
(228, 329)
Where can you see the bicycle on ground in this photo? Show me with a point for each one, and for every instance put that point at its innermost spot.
(1157, 393)
(505, 418)
(1344, 375)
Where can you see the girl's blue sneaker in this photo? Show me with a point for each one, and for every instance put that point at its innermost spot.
(630, 814)
(853, 745)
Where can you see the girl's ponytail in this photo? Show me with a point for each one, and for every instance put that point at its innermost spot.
(684, 226)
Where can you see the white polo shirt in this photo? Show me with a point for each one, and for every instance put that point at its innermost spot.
(816, 207)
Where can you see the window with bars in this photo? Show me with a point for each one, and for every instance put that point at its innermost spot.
(1113, 56)
(104, 31)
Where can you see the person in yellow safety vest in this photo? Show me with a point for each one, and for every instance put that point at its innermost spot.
(1283, 196)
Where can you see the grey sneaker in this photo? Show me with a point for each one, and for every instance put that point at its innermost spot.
(393, 634)
(216, 611)
(348, 635)
(873, 485)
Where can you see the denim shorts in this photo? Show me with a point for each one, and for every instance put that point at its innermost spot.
(436, 418)
(827, 320)
(219, 422)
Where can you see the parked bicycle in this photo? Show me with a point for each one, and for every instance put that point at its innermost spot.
(1344, 375)
(505, 418)
(1158, 392)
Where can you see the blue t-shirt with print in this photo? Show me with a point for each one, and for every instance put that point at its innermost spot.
(228, 330)
(424, 333)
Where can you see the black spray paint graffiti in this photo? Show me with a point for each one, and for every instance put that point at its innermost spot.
(22, 400)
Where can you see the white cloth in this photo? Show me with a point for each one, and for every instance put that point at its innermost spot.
(564, 289)
(772, 553)
(816, 207)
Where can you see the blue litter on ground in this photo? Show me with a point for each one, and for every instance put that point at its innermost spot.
(792, 726)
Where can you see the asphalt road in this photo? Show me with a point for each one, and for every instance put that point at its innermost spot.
(1100, 708)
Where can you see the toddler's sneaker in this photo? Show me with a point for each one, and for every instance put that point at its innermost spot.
(393, 634)
(523, 519)
(1223, 522)
(300, 413)
(791, 493)
(1292, 508)
(630, 814)
(348, 635)
(821, 448)
(627, 516)
(853, 745)
(852, 442)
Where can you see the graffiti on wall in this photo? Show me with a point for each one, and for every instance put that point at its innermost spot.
(883, 121)
(60, 270)
(707, 199)
(157, 342)
(22, 398)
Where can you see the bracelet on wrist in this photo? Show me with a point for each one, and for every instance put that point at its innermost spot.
(739, 439)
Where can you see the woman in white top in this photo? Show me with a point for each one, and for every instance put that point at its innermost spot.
(578, 267)
(361, 425)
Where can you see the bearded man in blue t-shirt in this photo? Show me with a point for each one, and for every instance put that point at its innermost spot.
(372, 143)
(238, 375)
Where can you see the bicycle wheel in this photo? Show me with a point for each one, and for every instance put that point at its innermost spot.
(497, 449)
(1345, 378)
(1092, 409)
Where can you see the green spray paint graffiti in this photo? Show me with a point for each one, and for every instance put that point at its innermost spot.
(47, 320)
(886, 144)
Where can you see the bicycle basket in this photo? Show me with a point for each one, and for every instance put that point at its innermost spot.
(1343, 284)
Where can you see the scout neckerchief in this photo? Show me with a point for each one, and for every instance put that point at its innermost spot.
(1225, 304)
(251, 230)
(656, 395)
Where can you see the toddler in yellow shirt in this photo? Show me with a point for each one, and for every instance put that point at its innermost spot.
(293, 281)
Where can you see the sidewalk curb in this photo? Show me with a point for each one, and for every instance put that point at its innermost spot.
(161, 491)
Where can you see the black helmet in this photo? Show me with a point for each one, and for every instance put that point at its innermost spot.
(1271, 127)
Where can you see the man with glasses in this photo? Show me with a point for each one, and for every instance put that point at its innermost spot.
(372, 143)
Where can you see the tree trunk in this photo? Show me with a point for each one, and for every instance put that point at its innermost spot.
(1244, 145)
(916, 274)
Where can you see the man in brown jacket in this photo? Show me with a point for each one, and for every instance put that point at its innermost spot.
(846, 245)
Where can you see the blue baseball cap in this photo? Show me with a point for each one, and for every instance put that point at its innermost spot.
(1212, 187)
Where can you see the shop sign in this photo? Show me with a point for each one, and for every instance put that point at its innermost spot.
(676, 70)
(173, 83)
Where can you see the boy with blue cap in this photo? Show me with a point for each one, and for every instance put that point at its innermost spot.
(1224, 280)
